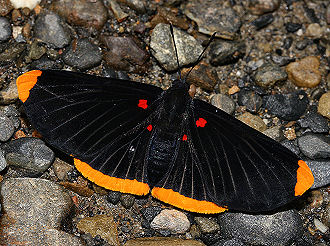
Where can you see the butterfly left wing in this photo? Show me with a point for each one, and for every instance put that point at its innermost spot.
(105, 124)
(224, 163)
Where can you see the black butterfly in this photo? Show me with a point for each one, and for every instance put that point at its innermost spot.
(133, 137)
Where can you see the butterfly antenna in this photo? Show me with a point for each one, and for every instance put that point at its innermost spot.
(176, 51)
(201, 55)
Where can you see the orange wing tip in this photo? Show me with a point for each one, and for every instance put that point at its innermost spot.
(123, 185)
(26, 82)
(176, 199)
(305, 178)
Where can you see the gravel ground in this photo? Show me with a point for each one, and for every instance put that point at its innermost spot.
(268, 66)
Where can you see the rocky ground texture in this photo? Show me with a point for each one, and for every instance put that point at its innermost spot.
(268, 66)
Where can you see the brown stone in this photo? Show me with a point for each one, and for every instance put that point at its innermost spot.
(253, 121)
(162, 241)
(324, 105)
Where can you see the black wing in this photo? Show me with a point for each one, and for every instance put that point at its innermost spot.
(104, 123)
(227, 163)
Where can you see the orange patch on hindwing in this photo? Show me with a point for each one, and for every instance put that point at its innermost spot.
(305, 178)
(26, 82)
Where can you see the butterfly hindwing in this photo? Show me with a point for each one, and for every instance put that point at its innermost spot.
(104, 123)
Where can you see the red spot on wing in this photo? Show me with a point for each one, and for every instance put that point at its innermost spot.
(143, 103)
(149, 128)
(201, 122)
(184, 137)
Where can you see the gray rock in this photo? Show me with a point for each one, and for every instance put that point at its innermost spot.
(3, 163)
(83, 55)
(12, 113)
(46, 63)
(37, 209)
(250, 99)
(314, 121)
(291, 145)
(113, 197)
(275, 229)
(127, 200)
(226, 52)
(163, 49)
(6, 128)
(171, 220)
(29, 155)
(50, 29)
(229, 242)
(321, 172)
(5, 29)
(269, 74)
(314, 145)
(11, 52)
(274, 133)
(282, 60)
(210, 18)
(224, 103)
(207, 225)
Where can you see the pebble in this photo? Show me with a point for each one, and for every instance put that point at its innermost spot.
(226, 52)
(19, 4)
(36, 51)
(269, 74)
(211, 18)
(149, 213)
(287, 107)
(3, 163)
(272, 229)
(36, 208)
(163, 50)
(30, 155)
(302, 44)
(253, 121)
(315, 122)
(61, 169)
(287, 43)
(263, 21)
(305, 72)
(321, 172)
(113, 197)
(9, 94)
(117, 11)
(172, 220)
(82, 55)
(102, 225)
(259, 7)
(324, 105)
(281, 60)
(314, 145)
(292, 27)
(291, 145)
(250, 99)
(50, 29)
(207, 225)
(328, 14)
(162, 241)
(46, 63)
(314, 30)
(167, 16)
(202, 76)
(229, 242)
(320, 226)
(224, 103)
(11, 53)
(127, 200)
(84, 13)
(123, 53)
(7, 128)
(81, 188)
(5, 7)
(5, 29)
(274, 133)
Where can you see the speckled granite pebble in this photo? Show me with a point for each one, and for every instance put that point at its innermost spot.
(172, 220)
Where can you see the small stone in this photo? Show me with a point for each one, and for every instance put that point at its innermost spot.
(149, 213)
(253, 121)
(316, 198)
(292, 27)
(207, 225)
(320, 226)
(210, 18)
(81, 189)
(61, 169)
(324, 105)
(102, 225)
(162, 241)
(50, 29)
(328, 14)
(166, 16)
(287, 107)
(19, 4)
(263, 21)
(274, 133)
(290, 133)
(82, 55)
(36, 51)
(113, 197)
(273, 229)
(163, 49)
(11, 52)
(282, 60)
(5, 29)
(229, 242)
(314, 30)
(321, 172)
(224, 103)
(6, 128)
(137, 5)
(127, 200)
(84, 13)
(5, 7)
(30, 155)
(3, 163)
(302, 44)
(291, 145)
(9, 94)
(314, 146)
(259, 7)
(269, 74)
(123, 53)
(226, 52)
(315, 122)
(46, 63)
(250, 99)
(173, 220)
(287, 43)
(117, 11)
(305, 73)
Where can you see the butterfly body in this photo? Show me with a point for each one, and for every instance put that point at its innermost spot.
(136, 138)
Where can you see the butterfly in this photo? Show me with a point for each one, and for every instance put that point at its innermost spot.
(137, 138)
